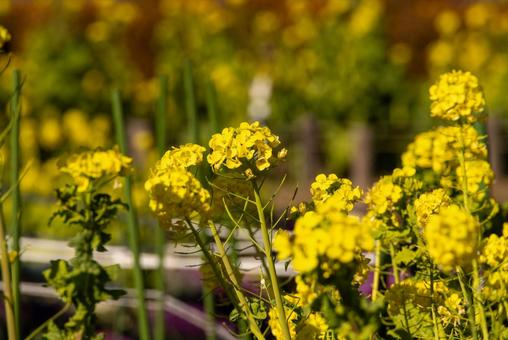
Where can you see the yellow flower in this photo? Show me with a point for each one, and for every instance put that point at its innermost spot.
(341, 189)
(282, 244)
(314, 327)
(457, 96)
(439, 149)
(478, 177)
(89, 166)
(383, 196)
(249, 146)
(494, 254)
(429, 204)
(452, 311)
(415, 292)
(176, 194)
(307, 291)
(274, 325)
(452, 237)
(183, 156)
(5, 36)
(328, 234)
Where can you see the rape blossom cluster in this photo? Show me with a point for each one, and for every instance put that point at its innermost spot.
(89, 166)
(250, 147)
(175, 193)
(429, 237)
(457, 96)
(448, 245)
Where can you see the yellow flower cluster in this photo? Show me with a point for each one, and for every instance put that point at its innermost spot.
(173, 190)
(326, 234)
(183, 156)
(457, 96)
(452, 237)
(452, 311)
(314, 327)
(89, 166)
(494, 254)
(438, 149)
(306, 290)
(274, 325)
(301, 327)
(5, 36)
(478, 176)
(176, 193)
(415, 292)
(383, 196)
(250, 148)
(341, 188)
(429, 204)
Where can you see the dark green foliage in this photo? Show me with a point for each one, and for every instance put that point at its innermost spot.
(82, 281)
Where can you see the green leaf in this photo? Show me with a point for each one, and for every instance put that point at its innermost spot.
(406, 256)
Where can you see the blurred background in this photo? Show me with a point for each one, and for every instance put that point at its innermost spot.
(343, 82)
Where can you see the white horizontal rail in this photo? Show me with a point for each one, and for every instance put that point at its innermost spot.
(41, 251)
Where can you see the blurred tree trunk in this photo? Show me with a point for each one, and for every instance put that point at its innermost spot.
(307, 139)
(361, 154)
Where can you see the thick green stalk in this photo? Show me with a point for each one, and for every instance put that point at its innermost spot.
(477, 300)
(193, 137)
(377, 271)
(232, 277)
(16, 197)
(209, 304)
(6, 280)
(133, 229)
(160, 237)
(190, 103)
(271, 265)
(216, 270)
(395, 268)
(470, 303)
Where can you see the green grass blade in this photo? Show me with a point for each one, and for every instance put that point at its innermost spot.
(133, 228)
(16, 196)
(190, 104)
(160, 237)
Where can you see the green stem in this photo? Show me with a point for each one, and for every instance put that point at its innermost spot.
(232, 277)
(462, 160)
(470, 305)
(377, 270)
(211, 261)
(406, 319)
(16, 197)
(209, 304)
(6, 278)
(395, 268)
(209, 301)
(271, 265)
(45, 324)
(160, 237)
(133, 229)
(434, 322)
(477, 300)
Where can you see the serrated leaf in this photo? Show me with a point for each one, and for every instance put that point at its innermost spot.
(405, 256)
